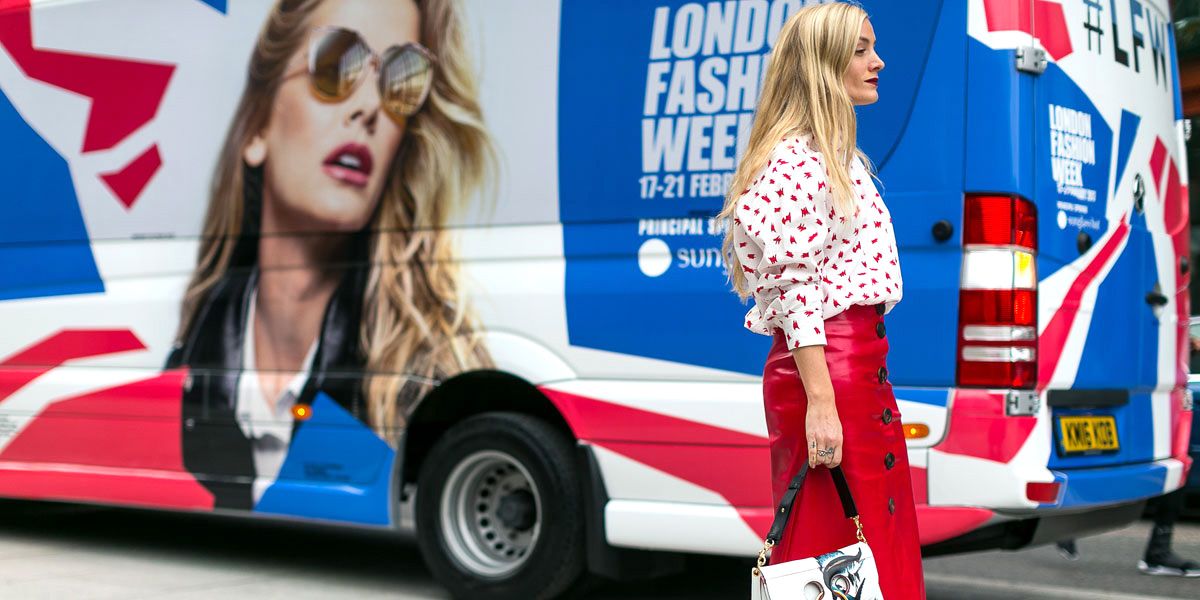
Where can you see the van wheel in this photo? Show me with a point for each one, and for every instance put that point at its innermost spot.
(499, 509)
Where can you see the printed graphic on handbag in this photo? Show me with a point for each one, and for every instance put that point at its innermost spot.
(846, 573)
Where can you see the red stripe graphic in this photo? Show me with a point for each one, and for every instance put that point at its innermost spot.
(23, 367)
(1173, 208)
(128, 182)
(596, 420)
(978, 427)
(120, 444)
(1176, 216)
(734, 465)
(1158, 157)
(115, 445)
(1175, 224)
(125, 93)
(920, 483)
(1043, 19)
(940, 523)
(1054, 337)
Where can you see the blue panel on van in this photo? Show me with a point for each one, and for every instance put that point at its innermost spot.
(1001, 135)
(922, 174)
(1119, 320)
(923, 328)
(1129, 129)
(1074, 147)
(1088, 487)
(1145, 318)
(922, 184)
(931, 396)
(905, 35)
(685, 314)
(44, 247)
(644, 273)
(337, 468)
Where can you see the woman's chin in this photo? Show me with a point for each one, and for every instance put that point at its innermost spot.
(337, 212)
(335, 224)
(867, 98)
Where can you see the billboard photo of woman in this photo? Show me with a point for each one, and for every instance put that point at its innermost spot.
(324, 265)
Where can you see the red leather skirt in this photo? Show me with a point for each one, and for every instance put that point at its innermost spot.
(874, 455)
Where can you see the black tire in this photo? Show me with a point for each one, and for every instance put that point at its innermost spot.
(477, 450)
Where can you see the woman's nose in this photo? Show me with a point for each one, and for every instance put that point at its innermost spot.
(364, 105)
(368, 117)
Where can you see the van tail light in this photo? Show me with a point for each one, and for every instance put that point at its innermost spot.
(997, 324)
(1000, 221)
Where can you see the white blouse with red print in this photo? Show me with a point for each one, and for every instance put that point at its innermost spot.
(804, 261)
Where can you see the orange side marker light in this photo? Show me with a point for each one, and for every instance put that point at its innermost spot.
(302, 412)
(916, 431)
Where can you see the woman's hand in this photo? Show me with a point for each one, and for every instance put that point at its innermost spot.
(822, 427)
(824, 433)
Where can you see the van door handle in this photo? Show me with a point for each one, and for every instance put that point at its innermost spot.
(1156, 299)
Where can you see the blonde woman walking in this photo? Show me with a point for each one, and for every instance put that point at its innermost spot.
(811, 242)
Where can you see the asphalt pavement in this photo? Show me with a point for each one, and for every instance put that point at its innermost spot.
(56, 551)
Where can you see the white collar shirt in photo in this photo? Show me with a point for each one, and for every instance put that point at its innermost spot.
(268, 429)
(802, 260)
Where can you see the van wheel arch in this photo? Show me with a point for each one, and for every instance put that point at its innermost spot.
(464, 396)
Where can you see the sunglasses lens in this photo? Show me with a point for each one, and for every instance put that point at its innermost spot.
(336, 63)
(405, 80)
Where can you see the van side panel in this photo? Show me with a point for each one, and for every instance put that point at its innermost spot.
(922, 177)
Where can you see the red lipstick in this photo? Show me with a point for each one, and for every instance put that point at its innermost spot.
(350, 164)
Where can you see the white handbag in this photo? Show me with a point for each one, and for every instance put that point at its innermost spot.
(844, 574)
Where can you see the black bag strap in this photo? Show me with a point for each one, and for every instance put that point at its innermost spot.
(789, 498)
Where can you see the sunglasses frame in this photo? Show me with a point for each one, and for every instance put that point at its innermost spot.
(376, 61)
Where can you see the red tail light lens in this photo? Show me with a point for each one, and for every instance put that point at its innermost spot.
(1014, 375)
(1000, 221)
(998, 307)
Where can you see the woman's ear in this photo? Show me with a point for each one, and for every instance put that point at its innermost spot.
(255, 152)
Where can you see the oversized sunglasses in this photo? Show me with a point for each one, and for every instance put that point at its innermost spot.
(338, 60)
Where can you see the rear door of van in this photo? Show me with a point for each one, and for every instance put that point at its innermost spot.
(1108, 169)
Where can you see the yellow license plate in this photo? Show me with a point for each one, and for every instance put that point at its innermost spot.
(1088, 434)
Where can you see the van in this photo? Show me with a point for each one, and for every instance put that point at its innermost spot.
(452, 267)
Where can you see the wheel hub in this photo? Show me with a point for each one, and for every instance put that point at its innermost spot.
(517, 510)
(490, 513)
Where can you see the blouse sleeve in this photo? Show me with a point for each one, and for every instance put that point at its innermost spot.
(786, 213)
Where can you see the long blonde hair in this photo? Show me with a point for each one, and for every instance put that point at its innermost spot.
(803, 93)
(416, 327)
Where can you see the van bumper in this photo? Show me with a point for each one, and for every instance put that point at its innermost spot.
(1045, 528)
(1106, 486)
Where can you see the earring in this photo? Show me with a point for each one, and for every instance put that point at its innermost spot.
(255, 153)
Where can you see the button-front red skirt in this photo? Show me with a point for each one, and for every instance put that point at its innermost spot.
(874, 456)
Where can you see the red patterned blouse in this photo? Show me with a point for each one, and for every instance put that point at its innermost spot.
(804, 261)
